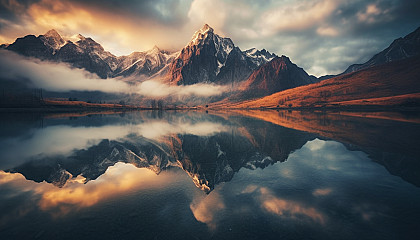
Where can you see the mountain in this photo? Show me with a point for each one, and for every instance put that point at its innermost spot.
(88, 54)
(208, 160)
(399, 49)
(32, 46)
(143, 63)
(277, 75)
(259, 57)
(392, 84)
(53, 40)
(82, 53)
(209, 57)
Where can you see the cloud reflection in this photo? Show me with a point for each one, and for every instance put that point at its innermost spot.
(56, 140)
(288, 209)
(158, 129)
(321, 192)
(75, 195)
(206, 209)
(63, 140)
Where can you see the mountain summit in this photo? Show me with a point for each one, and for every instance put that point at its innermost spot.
(201, 34)
(277, 75)
(208, 57)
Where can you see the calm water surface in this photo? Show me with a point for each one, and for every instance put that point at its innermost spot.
(197, 175)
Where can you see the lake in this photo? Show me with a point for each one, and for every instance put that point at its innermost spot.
(210, 175)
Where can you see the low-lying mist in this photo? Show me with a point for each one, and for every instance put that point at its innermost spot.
(61, 77)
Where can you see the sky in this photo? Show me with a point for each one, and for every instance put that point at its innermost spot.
(321, 36)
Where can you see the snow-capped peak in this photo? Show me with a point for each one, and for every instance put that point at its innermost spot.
(53, 40)
(74, 38)
(250, 52)
(259, 56)
(206, 28)
(53, 34)
(201, 34)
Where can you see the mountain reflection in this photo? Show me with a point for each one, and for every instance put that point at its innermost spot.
(210, 148)
(215, 175)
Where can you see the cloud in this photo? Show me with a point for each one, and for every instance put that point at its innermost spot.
(155, 88)
(120, 28)
(63, 140)
(304, 30)
(289, 209)
(373, 14)
(61, 77)
(55, 76)
(158, 129)
(76, 194)
(55, 140)
(296, 17)
(205, 11)
(321, 192)
(206, 209)
(327, 31)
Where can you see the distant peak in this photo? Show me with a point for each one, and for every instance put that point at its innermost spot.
(154, 50)
(52, 33)
(80, 36)
(206, 28)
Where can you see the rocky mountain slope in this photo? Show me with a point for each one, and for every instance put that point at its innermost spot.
(250, 74)
(391, 84)
(209, 57)
(399, 49)
(208, 160)
(277, 75)
(83, 52)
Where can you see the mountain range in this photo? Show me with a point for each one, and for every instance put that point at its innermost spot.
(207, 58)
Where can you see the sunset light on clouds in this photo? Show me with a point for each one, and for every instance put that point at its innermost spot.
(322, 36)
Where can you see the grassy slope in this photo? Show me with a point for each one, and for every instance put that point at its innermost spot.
(392, 84)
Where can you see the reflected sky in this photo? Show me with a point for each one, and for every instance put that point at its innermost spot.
(65, 139)
(198, 175)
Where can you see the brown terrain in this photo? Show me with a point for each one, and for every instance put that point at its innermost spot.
(395, 84)
(389, 138)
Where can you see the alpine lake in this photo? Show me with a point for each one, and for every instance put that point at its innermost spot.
(210, 175)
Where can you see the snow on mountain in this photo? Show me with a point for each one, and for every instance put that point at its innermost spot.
(53, 40)
(259, 57)
(143, 63)
(208, 57)
(97, 52)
